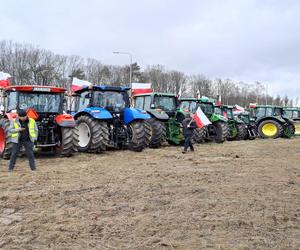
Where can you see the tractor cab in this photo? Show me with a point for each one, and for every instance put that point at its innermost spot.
(113, 99)
(47, 106)
(227, 112)
(188, 104)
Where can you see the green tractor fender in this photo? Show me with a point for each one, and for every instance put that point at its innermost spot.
(159, 115)
(278, 119)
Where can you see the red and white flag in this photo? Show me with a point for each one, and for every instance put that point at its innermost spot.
(141, 88)
(79, 84)
(200, 118)
(4, 79)
(238, 109)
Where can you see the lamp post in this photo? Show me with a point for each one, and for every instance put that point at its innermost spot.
(130, 68)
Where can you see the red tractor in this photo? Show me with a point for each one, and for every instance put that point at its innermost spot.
(45, 104)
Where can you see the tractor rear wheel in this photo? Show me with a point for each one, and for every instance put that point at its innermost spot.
(5, 143)
(270, 129)
(93, 135)
(69, 142)
(157, 132)
(221, 131)
(199, 135)
(137, 136)
(241, 131)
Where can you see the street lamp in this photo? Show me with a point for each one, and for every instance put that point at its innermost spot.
(130, 73)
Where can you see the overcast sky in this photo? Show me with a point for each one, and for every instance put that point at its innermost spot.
(251, 40)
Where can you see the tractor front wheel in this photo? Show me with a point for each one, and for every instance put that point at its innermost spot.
(137, 136)
(270, 129)
(93, 135)
(221, 129)
(68, 142)
(5, 143)
(199, 135)
(157, 132)
(241, 131)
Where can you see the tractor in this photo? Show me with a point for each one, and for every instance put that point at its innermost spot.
(271, 121)
(237, 127)
(218, 130)
(250, 125)
(56, 129)
(294, 114)
(104, 119)
(166, 118)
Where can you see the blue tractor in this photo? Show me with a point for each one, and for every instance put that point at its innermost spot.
(105, 119)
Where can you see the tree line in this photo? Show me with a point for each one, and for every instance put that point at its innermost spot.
(29, 64)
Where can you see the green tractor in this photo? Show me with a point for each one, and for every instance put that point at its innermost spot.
(250, 125)
(294, 114)
(272, 122)
(165, 122)
(218, 129)
(237, 127)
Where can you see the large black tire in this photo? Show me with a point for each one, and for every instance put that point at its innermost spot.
(221, 131)
(199, 135)
(241, 131)
(278, 133)
(137, 136)
(93, 135)
(69, 142)
(7, 144)
(289, 131)
(157, 133)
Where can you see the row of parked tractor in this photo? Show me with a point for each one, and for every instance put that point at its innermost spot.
(96, 118)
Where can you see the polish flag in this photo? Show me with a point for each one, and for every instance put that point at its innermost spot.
(78, 84)
(219, 103)
(238, 109)
(200, 118)
(4, 79)
(141, 88)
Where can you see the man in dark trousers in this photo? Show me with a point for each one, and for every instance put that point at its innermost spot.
(188, 125)
(23, 131)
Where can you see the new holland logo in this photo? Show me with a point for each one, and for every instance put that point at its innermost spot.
(42, 89)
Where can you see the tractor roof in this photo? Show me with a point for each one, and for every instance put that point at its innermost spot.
(207, 99)
(188, 99)
(227, 106)
(35, 88)
(104, 88)
(267, 106)
(292, 108)
(157, 93)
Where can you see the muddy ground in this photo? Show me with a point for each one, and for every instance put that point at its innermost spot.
(239, 195)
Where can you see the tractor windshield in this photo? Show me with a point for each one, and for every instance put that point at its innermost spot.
(166, 103)
(207, 108)
(41, 102)
(218, 110)
(245, 118)
(189, 106)
(111, 99)
(228, 113)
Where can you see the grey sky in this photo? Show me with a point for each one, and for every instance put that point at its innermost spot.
(243, 40)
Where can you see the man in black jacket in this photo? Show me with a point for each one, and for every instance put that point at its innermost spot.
(188, 125)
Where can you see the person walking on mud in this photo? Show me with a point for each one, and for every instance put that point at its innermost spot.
(23, 131)
(188, 125)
